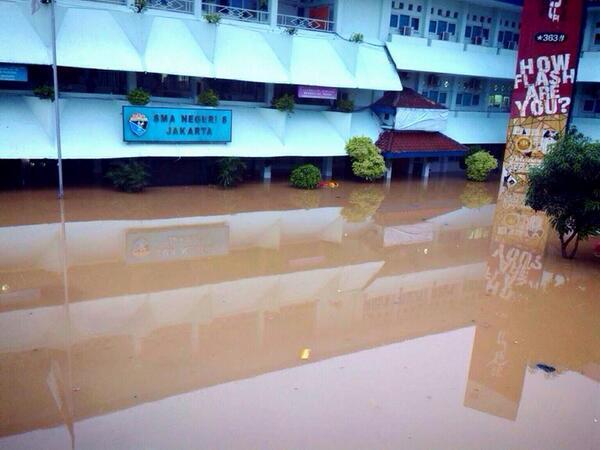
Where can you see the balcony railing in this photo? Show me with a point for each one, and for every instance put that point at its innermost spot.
(112, 2)
(306, 23)
(231, 12)
(182, 6)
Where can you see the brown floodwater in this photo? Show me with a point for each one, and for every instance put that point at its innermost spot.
(263, 317)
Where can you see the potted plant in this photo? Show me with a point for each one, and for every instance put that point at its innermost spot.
(285, 103)
(344, 105)
(208, 97)
(138, 96)
(44, 92)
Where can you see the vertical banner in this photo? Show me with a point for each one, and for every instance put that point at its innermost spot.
(540, 105)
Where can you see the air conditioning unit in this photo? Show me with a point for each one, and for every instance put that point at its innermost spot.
(406, 31)
(445, 36)
(433, 81)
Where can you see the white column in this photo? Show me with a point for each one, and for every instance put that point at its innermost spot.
(198, 9)
(462, 22)
(388, 172)
(426, 169)
(131, 80)
(273, 10)
(495, 27)
(267, 172)
(384, 21)
(452, 93)
(269, 89)
(337, 16)
(411, 165)
(327, 167)
(427, 18)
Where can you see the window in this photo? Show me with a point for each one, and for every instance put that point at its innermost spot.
(162, 85)
(455, 15)
(238, 91)
(459, 99)
(439, 12)
(394, 21)
(410, 6)
(414, 23)
(404, 20)
(597, 39)
(442, 98)
(386, 116)
(475, 100)
(92, 81)
(442, 26)
(432, 26)
(451, 28)
(468, 31)
(489, 20)
(588, 106)
(419, 8)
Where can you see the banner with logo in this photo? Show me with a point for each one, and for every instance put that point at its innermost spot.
(540, 105)
(177, 125)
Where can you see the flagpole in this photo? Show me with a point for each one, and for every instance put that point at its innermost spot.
(61, 192)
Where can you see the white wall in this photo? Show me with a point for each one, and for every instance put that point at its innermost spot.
(360, 16)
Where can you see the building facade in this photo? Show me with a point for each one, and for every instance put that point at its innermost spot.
(459, 55)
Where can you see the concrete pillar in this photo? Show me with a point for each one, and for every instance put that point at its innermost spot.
(337, 16)
(462, 22)
(194, 88)
(131, 80)
(269, 90)
(411, 165)
(327, 167)
(273, 11)
(495, 28)
(267, 172)
(427, 18)
(198, 9)
(426, 169)
(444, 164)
(384, 20)
(452, 93)
(388, 172)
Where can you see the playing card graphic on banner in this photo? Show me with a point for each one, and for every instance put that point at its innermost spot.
(540, 105)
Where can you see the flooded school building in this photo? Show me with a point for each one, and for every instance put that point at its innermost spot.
(425, 80)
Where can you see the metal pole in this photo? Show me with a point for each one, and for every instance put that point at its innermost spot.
(61, 192)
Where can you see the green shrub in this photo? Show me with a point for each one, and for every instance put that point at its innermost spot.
(44, 92)
(291, 31)
(345, 105)
(208, 97)
(479, 165)
(357, 37)
(140, 6)
(370, 168)
(212, 17)
(367, 162)
(130, 176)
(306, 176)
(285, 103)
(138, 96)
(230, 171)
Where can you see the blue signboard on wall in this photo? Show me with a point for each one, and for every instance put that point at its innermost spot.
(176, 125)
(13, 73)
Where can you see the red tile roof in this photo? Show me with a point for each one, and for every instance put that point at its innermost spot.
(407, 98)
(416, 141)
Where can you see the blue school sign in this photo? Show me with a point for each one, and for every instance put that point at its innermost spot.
(176, 125)
(13, 73)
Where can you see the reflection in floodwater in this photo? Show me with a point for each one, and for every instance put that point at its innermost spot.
(181, 290)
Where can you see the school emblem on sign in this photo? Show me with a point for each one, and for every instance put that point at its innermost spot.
(138, 123)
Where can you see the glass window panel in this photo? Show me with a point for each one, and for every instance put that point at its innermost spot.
(414, 23)
(394, 21)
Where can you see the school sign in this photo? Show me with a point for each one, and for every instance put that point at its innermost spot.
(150, 124)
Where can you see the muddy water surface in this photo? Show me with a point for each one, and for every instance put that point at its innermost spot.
(267, 318)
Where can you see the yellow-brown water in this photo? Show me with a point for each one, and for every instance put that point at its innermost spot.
(265, 317)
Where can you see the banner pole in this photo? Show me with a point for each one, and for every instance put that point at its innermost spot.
(61, 192)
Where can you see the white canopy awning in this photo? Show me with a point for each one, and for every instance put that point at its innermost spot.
(111, 39)
(92, 128)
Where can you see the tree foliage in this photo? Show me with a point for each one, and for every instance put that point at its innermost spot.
(479, 165)
(306, 176)
(367, 162)
(230, 171)
(208, 97)
(285, 103)
(566, 186)
(138, 96)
